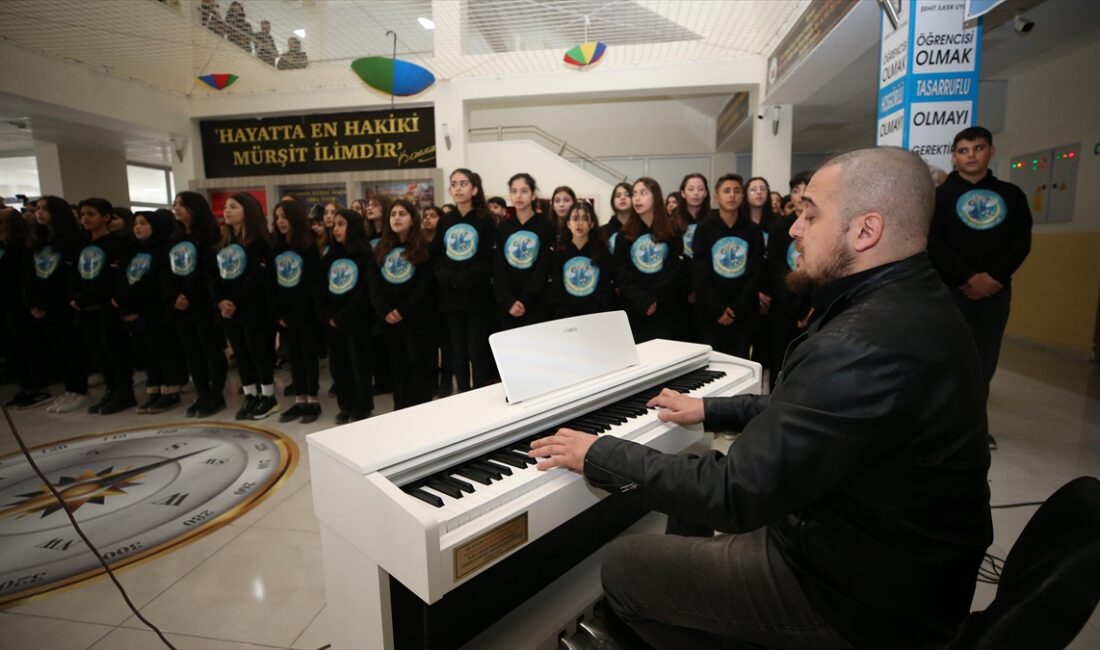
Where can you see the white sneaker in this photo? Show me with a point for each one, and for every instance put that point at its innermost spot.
(57, 402)
(76, 401)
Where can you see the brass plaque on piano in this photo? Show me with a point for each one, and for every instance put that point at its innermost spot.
(487, 547)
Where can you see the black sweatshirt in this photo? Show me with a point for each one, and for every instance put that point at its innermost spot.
(14, 267)
(399, 284)
(786, 306)
(521, 264)
(242, 275)
(647, 272)
(297, 274)
(463, 250)
(979, 227)
(187, 274)
(581, 280)
(728, 269)
(48, 278)
(97, 267)
(137, 286)
(344, 295)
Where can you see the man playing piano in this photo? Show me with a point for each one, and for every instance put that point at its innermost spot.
(855, 498)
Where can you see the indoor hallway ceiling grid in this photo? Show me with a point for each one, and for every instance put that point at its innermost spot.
(162, 43)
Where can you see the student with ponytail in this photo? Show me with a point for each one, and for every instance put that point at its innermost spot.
(522, 260)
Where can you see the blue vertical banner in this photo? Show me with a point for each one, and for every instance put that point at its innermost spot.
(928, 78)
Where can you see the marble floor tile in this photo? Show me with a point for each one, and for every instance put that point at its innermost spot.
(294, 513)
(124, 638)
(19, 632)
(316, 635)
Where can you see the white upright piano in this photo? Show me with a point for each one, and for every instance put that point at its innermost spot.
(436, 530)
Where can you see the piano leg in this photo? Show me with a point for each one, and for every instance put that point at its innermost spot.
(358, 595)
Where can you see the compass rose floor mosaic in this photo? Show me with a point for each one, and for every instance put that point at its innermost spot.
(246, 573)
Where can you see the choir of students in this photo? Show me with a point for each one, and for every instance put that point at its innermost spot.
(392, 294)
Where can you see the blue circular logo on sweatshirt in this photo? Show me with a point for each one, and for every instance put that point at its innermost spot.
(461, 242)
(729, 256)
(46, 262)
(580, 276)
(138, 267)
(521, 249)
(231, 262)
(288, 269)
(182, 258)
(90, 262)
(648, 256)
(981, 209)
(396, 268)
(343, 275)
(611, 242)
(792, 256)
(689, 240)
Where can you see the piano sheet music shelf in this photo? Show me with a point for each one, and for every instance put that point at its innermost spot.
(390, 556)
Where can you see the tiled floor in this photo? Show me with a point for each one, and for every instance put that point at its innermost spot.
(256, 583)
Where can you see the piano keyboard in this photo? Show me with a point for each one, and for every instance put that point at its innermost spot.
(470, 489)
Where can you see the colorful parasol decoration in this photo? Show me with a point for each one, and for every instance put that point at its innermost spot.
(585, 54)
(392, 76)
(218, 81)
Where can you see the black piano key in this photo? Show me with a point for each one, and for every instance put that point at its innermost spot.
(445, 488)
(487, 471)
(473, 474)
(458, 483)
(581, 427)
(607, 419)
(427, 498)
(508, 459)
(522, 451)
(522, 456)
(492, 468)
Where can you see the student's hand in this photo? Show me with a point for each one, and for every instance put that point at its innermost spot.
(332, 323)
(129, 318)
(72, 303)
(394, 317)
(727, 317)
(765, 303)
(227, 308)
(652, 309)
(517, 310)
(181, 302)
(38, 313)
(282, 323)
(983, 285)
(566, 448)
(677, 407)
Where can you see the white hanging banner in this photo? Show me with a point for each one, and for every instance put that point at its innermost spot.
(928, 78)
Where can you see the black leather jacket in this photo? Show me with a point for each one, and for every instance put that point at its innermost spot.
(867, 463)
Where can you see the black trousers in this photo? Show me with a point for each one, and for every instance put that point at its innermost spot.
(412, 362)
(103, 333)
(155, 344)
(302, 343)
(252, 335)
(442, 334)
(23, 333)
(734, 338)
(663, 324)
(350, 362)
(203, 343)
(987, 319)
(470, 346)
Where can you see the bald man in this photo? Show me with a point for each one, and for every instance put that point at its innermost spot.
(854, 505)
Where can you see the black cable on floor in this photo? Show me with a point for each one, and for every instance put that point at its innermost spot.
(1017, 505)
(72, 519)
(990, 570)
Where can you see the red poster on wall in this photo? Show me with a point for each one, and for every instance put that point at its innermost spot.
(218, 197)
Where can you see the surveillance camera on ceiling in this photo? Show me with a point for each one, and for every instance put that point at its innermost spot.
(1022, 24)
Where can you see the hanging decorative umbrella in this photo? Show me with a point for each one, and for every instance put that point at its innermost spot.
(392, 76)
(585, 54)
(218, 81)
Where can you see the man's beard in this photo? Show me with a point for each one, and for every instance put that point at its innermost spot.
(840, 262)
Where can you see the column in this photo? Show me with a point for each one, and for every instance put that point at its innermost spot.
(450, 107)
(771, 142)
(77, 172)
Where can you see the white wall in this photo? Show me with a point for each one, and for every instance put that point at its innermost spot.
(496, 162)
(1052, 105)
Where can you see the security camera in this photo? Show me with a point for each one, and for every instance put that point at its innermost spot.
(759, 116)
(1022, 24)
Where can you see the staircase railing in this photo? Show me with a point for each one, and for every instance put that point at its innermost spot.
(563, 146)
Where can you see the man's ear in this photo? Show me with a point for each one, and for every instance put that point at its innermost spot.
(867, 230)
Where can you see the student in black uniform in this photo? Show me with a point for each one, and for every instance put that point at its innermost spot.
(692, 208)
(16, 322)
(97, 266)
(185, 288)
(672, 202)
(647, 264)
(498, 209)
(444, 379)
(139, 302)
(521, 264)
(402, 286)
(621, 209)
(240, 289)
(378, 206)
(561, 203)
(463, 253)
(53, 267)
(727, 272)
(344, 306)
(790, 310)
(581, 272)
(758, 198)
(297, 274)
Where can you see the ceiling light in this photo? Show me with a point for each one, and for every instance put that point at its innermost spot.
(426, 23)
(300, 33)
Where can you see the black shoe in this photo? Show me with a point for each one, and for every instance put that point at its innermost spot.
(289, 391)
(144, 408)
(444, 391)
(343, 417)
(32, 399)
(264, 406)
(311, 412)
(16, 399)
(195, 407)
(360, 415)
(992, 442)
(332, 390)
(247, 404)
(209, 405)
(165, 402)
(294, 412)
(108, 395)
(118, 403)
(281, 365)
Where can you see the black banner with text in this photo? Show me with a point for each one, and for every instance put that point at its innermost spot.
(334, 142)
